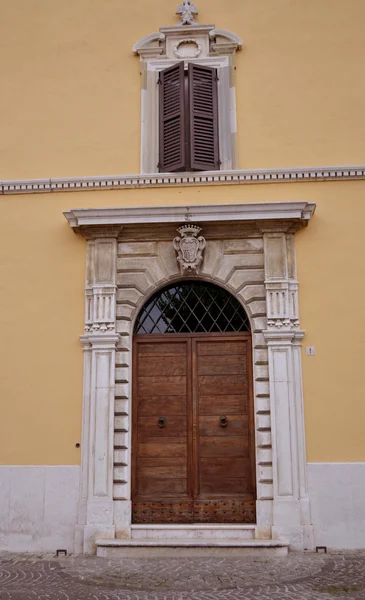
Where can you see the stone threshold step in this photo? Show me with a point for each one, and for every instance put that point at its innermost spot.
(134, 548)
(195, 526)
(116, 543)
(195, 531)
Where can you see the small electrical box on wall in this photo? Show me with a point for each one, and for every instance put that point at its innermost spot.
(310, 350)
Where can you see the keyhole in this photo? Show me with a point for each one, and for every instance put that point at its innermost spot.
(161, 422)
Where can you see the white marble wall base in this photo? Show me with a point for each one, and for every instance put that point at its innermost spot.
(122, 518)
(294, 535)
(38, 508)
(96, 532)
(264, 518)
(337, 497)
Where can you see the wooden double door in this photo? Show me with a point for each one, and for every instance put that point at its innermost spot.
(193, 450)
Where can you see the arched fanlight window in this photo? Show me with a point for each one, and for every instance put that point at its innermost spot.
(192, 307)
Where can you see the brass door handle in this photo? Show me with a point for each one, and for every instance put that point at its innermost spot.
(161, 421)
(223, 421)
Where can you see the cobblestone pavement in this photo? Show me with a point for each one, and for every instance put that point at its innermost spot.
(299, 577)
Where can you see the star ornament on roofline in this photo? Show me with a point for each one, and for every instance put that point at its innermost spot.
(187, 10)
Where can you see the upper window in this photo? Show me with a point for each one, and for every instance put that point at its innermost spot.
(188, 93)
(188, 119)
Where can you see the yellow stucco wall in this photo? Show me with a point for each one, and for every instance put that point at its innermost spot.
(70, 98)
(42, 279)
(70, 105)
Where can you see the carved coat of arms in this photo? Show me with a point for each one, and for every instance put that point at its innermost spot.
(189, 248)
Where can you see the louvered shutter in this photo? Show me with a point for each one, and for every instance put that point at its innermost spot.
(172, 119)
(203, 118)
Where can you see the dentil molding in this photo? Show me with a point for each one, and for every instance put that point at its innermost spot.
(156, 180)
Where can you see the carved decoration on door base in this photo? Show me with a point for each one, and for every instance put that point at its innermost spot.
(220, 510)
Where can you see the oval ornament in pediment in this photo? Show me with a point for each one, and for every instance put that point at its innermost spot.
(187, 49)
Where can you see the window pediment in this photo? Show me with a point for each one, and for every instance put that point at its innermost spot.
(166, 42)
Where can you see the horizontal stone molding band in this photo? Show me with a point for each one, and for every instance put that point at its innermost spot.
(236, 177)
(116, 218)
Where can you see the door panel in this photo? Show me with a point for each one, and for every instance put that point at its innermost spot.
(193, 469)
(159, 450)
(214, 365)
(162, 386)
(233, 404)
(215, 348)
(149, 430)
(168, 405)
(231, 446)
(220, 487)
(158, 486)
(221, 386)
(172, 367)
(210, 426)
(225, 466)
(161, 490)
(158, 348)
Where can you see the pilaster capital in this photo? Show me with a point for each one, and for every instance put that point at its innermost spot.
(102, 288)
(283, 337)
(280, 283)
(100, 340)
(299, 335)
(85, 342)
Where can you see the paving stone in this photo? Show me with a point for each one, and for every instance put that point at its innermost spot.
(300, 576)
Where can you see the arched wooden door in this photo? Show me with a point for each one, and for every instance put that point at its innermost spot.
(193, 446)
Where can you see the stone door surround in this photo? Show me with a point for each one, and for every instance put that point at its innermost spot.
(250, 252)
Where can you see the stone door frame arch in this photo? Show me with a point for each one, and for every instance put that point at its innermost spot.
(250, 252)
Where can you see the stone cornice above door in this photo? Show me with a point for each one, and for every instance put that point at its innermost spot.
(266, 216)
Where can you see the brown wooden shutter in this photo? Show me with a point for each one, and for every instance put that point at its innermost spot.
(172, 119)
(203, 118)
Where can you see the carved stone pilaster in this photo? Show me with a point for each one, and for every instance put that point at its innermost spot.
(291, 515)
(100, 289)
(96, 514)
(282, 304)
(280, 282)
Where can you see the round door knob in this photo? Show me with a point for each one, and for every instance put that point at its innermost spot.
(223, 421)
(161, 421)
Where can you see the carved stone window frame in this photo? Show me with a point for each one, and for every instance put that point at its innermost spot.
(150, 112)
(215, 49)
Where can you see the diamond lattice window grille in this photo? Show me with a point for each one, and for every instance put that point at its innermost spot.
(192, 307)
